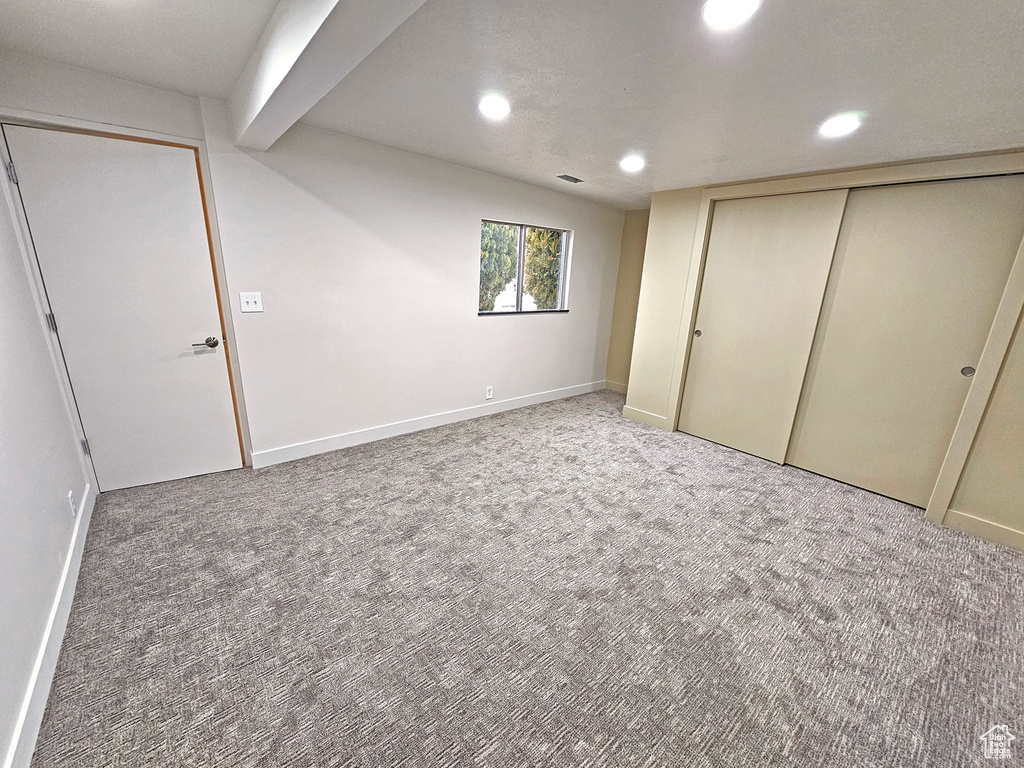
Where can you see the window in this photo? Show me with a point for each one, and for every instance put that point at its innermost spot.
(522, 268)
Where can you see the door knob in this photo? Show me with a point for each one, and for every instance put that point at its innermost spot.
(211, 342)
(697, 332)
(967, 371)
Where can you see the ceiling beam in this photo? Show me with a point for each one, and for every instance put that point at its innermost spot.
(308, 47)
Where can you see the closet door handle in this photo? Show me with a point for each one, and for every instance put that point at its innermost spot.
(211, 342)
(967, 371)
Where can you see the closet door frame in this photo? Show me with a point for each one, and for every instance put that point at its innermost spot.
(30, 119)
(1008, 314)
(996, 347)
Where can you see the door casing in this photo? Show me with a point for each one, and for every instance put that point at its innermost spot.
(198, 148)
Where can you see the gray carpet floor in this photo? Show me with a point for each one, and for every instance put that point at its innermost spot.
(553, 586)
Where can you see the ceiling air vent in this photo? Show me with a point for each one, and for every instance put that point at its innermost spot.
(570, 179)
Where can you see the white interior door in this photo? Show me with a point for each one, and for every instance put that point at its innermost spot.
(765, 272)
(120, 235)
(918, 274)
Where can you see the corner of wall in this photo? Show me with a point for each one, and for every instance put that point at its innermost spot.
(627, 297)
(35, 88)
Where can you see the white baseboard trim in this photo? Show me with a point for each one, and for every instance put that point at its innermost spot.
(615, 386)
(26, 730)
(349, 439)
(986, 529)
(647, 418)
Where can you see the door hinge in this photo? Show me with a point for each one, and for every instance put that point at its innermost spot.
(51, 321)
(11, 173)
(85, 447)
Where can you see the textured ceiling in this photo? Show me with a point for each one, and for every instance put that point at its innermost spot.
(590, 81)
(188, 46)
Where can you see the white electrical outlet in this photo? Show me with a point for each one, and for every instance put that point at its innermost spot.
(251, 302)
(72, 503)
(490, 393)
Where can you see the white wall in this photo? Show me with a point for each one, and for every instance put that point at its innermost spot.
(39, 463)
(367, 258)
(368, 261)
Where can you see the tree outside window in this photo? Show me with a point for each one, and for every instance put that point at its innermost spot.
(522, 268)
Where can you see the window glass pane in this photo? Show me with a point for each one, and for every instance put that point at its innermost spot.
(499, 266)
(542, 281)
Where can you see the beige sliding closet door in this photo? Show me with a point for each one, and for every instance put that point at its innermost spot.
(765, 272)
(917, 276)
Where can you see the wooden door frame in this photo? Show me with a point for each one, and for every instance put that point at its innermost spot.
(1007, 316)
(198, 148)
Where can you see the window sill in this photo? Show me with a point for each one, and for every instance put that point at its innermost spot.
(531, 312)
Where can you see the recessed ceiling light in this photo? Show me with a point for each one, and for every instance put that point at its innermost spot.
(841, 125)
(723, 15)
(632, 163)
(494, 106)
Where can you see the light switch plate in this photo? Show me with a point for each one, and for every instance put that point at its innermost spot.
(251, 302)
